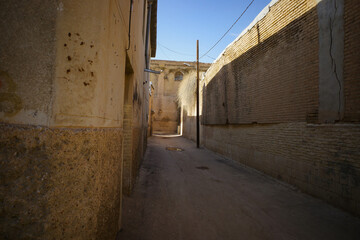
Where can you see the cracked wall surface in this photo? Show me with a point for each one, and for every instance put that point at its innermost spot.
(331, 60)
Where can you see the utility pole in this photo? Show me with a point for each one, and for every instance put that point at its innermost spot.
(197, 97)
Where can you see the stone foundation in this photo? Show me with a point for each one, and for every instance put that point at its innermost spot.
(59, 183)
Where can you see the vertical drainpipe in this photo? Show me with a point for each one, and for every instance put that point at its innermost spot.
(131, 9)
(147, 58)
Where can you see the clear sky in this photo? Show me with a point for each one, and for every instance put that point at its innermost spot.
(182, 22)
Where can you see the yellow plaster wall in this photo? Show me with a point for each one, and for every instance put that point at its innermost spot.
(90, 64)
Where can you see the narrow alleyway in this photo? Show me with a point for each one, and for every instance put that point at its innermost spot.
(195, 194)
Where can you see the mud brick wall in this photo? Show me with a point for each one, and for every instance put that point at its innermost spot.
(59, 183)
(321, 160)
(284, 98)
(272, 72)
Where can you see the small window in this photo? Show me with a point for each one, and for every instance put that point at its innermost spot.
(179, 76)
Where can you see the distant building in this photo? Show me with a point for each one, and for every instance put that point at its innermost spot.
(167, 111)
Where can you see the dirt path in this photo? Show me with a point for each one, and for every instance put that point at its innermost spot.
(195, 194)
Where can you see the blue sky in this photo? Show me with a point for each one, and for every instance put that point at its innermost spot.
(181, 23)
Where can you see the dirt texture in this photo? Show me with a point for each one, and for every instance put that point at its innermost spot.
(59, 183)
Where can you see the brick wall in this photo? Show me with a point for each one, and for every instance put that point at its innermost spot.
(322, 160)
(128, 159)
(273, 70)
(284, 99)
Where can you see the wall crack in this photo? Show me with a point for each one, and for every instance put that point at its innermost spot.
(333, 62)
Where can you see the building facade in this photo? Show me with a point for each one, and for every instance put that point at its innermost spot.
(73, 101)
(166, 108)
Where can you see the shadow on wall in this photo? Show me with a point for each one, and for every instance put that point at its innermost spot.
(275, 81)
(260, 108)
(10, 103)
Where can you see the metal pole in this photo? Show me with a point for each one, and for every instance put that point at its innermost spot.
(197, 97)
(147, 57)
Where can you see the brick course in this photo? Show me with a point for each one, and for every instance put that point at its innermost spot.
(261, 103)
(322, 160)
(273, 73)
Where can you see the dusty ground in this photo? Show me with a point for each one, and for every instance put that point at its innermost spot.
(195, 194)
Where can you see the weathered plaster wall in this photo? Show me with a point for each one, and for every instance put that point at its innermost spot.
(90, 61)
(271, 99)
(64, 69)
(27, 60)
(139, 96)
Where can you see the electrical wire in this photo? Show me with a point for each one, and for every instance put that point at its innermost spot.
(161, 48)
(210, 57)
(205, 54)
(185, 54)
(164, 47)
